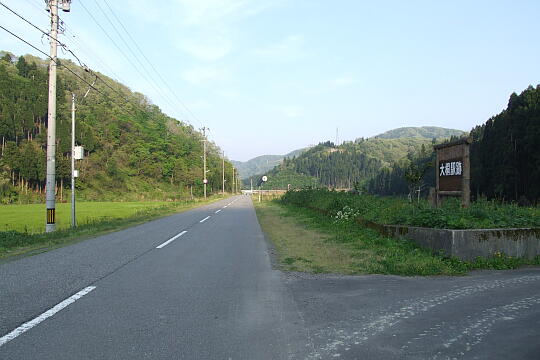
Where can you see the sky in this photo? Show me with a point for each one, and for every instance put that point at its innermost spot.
(272, 76)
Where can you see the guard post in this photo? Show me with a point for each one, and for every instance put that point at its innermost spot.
(453, 171)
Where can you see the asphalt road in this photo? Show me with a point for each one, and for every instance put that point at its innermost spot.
(200, 285)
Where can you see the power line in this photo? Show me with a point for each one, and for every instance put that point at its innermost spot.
(60, 43)
(72, 37)
(84, 49)
(72, 72)
(152, 81)
(43, 32)
(84, 66)
(151, 65)
(118, 48)
(48, 56)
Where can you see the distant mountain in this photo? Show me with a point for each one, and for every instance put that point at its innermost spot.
(261, 164)
(424, 132)
(356, 160)
(344, 165)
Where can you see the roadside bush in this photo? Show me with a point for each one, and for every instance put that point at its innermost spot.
(394, 210)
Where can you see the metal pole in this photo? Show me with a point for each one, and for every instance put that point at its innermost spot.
(204, 159)
(51, 125)
(223, 172)
(73, 220)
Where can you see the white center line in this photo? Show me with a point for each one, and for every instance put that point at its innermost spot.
(217, 211)
(30, 324)
(225, 207)
(206, 218)
(171, 240)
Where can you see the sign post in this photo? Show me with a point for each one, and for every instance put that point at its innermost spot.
(263, 180)
(453, 171)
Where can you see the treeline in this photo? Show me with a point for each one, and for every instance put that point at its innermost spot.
(349, 165)
(395, 180)
(333, 166)
(133, 150)
(505, 161)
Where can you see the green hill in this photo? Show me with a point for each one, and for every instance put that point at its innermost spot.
(133, 151)
(262, 164)
(342, 166)
(424, 132)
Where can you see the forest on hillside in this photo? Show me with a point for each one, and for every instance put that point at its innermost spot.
(505, 161)
(133, 150)
(426, 132)
(347, 165)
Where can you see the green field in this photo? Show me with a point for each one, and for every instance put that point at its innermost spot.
(31, 218)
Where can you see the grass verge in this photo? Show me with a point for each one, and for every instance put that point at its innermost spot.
(308, 241)
(482, 214)
(16, 243)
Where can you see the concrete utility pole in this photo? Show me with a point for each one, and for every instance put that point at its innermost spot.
(73, 220)
(232, 185)
(205, 180)
(223, 172)
(73, 154)
(51, 124)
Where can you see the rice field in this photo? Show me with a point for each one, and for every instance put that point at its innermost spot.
(31, 218)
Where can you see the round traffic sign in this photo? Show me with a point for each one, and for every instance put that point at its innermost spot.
(264, 178)
(205, 181)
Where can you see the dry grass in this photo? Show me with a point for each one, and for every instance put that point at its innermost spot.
(309, 241)
(301, 248)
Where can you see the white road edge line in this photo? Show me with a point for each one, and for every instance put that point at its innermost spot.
(217, 211)
(47, 314)
(171, 240)
(203, 220)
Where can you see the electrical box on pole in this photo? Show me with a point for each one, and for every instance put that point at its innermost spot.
(78, 152)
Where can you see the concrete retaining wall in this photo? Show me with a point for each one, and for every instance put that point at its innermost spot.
(469, 244)
(465, 244)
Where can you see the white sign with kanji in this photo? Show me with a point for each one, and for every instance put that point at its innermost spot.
(452, 168)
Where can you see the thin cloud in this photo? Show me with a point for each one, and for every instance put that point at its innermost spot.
(209, 47)
(203, 29)
(293, 112)
(288, 49)
(343, 81)
(204, 74)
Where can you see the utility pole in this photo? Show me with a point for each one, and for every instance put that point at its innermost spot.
(73, 154)
(205, 181)
(223, 172)
(51, 124)
(73, 220)
(232, 185)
